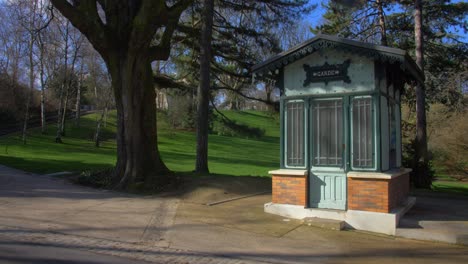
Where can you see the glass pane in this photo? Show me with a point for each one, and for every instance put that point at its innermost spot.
(295, 134)
(327, 129)
(362, 132)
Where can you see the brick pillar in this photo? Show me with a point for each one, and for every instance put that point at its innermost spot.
(289, 187)
(377, 192)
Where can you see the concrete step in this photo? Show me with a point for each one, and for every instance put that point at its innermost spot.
(324, 223)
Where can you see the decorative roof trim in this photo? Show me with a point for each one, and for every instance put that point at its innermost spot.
(376, 52)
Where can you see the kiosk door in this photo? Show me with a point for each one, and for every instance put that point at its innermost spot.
(327, 175)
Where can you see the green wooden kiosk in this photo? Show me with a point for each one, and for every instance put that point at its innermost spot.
(341, 132)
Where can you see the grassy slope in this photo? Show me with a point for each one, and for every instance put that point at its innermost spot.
(451, 187)
(227, 155)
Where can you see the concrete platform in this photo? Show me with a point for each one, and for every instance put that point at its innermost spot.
(385, 223)
(325, 223)
(241, 229)
(438, 218)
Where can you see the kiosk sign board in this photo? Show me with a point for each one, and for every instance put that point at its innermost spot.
(327, 73)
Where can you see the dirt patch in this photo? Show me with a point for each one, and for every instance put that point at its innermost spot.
(209, 189)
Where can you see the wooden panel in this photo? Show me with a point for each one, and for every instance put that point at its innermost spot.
(328, 190)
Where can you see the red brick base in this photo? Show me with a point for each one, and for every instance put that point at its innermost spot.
(367, 191)
(289, 189)
(377, 195)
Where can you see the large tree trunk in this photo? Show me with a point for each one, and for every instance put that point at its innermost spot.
(138, 156)
(383, 28)
(203, 94)
(422, 178)
(125, 43)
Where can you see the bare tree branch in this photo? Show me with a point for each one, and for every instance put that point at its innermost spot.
(84, 16)
(163, 49)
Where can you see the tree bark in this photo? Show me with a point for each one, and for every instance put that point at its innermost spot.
(43, 83)
(138, 155)
(69, 84)
(106, 112)
(31, 29)
(97, 138)
(78, 99)
(383, 28)
(422, 178)
(31, 86)
(58, 137)
(124, 41)
(64, 111)
(203, 94)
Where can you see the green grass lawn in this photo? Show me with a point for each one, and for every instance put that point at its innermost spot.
(451, 187)
(227, 155)
(445, 183)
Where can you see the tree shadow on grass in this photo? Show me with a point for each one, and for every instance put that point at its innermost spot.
(254, 114)
(231, 161)
(29, 184)
(44, 166)
(451, 189)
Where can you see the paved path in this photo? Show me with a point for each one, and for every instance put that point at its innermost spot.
(43, 214)
(439, 218)
(241, 229)
(13, 251)
(51, 213)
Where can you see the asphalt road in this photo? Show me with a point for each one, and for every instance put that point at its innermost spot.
(20, 252)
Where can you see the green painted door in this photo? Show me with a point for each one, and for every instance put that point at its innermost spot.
(327, 175)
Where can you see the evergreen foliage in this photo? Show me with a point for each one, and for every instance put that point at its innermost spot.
(243, 34)
(445, 53)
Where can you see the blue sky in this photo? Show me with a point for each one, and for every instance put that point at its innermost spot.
(315, 18)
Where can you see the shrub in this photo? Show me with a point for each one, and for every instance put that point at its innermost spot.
(419, 168)
(96, 179)
(449, 142)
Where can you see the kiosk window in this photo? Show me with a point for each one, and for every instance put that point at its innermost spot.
(327, 129)
(362, 132)
(295, 125)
